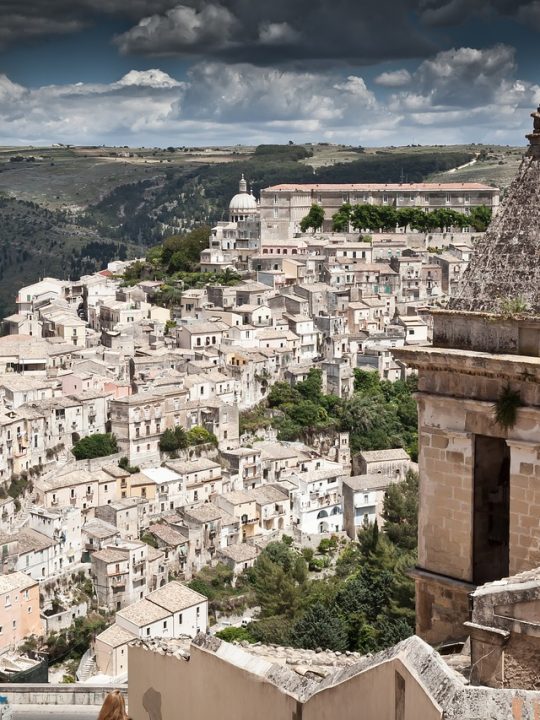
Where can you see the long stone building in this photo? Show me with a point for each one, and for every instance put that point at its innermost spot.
(282, 207)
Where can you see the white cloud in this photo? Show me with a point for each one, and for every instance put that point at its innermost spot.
(394, 79)
(460, 95)
(181, 29)
(148, 78)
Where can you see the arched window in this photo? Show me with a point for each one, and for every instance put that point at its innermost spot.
(322, 514)
(336, 510)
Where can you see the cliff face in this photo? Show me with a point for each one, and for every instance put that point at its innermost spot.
(504, 272)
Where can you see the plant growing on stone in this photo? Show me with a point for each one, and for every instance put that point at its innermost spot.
(506, 407)
(513, 306)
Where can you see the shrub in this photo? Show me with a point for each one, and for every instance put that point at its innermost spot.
(200, 436)
(172, 440)
(94, 446)
(238, 634)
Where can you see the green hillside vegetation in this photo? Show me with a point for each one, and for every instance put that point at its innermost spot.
(379, 415)
(35, 241)
(176, 264)
(365, 604)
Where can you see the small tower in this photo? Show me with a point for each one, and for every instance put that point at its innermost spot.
(242, 185)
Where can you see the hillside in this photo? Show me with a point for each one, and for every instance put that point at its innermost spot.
(65, 211)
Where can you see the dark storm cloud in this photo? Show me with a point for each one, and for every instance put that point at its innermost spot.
(358, 31)
(456, 12)
(240, 31)
(28, 19)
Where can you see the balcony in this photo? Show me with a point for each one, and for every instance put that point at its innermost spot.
(137, 564)
(118, 581)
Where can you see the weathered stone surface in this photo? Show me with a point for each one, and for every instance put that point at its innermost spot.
(504, 266)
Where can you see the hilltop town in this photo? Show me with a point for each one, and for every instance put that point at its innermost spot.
(239, 403)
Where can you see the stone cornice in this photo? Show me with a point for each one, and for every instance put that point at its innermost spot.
(523, 368)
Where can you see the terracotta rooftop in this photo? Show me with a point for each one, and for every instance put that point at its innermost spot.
(175, 597)
(397, 187)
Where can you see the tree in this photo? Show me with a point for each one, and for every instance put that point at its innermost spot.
(278, 577)
(320, 627)
(400, 512)
(173, 439)
(342, 219)
(94, 446)
(314, 219)
(388, 218)
(311, 387)
(282, 393)
(366, 381)
(480, 218)
(182, 252)
(200, 436)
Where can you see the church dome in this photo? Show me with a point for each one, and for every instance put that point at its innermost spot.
(243, 203)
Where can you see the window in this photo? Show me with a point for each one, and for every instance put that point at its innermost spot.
(29, 609)
(8, 601)
(179, 617)
(366, 498)
(14, 624)
(147, 631)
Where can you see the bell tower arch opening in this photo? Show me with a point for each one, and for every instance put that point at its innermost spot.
(491, 519)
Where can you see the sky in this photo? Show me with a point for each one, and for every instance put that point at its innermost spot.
(223, 72)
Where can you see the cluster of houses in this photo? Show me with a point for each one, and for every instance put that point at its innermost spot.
(95, 356)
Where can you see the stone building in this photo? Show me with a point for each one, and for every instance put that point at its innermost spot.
(282, 207)
(207, 677)
(479, 419)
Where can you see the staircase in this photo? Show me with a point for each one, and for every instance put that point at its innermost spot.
(87, 666)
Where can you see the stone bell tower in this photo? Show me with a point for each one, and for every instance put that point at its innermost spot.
(479, 418)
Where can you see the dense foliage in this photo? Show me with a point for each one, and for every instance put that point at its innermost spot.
(176, 264)
(177, 438)
(314, 219)
(94, 446)
(387, 218)
(366, 605)
(379, 415)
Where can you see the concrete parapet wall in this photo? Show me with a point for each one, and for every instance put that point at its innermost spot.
(62, 694)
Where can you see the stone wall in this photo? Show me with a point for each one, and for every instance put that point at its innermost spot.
(522, 662)
(56, 694)
(442, 606)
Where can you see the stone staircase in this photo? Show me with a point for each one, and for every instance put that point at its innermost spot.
(87, 666)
